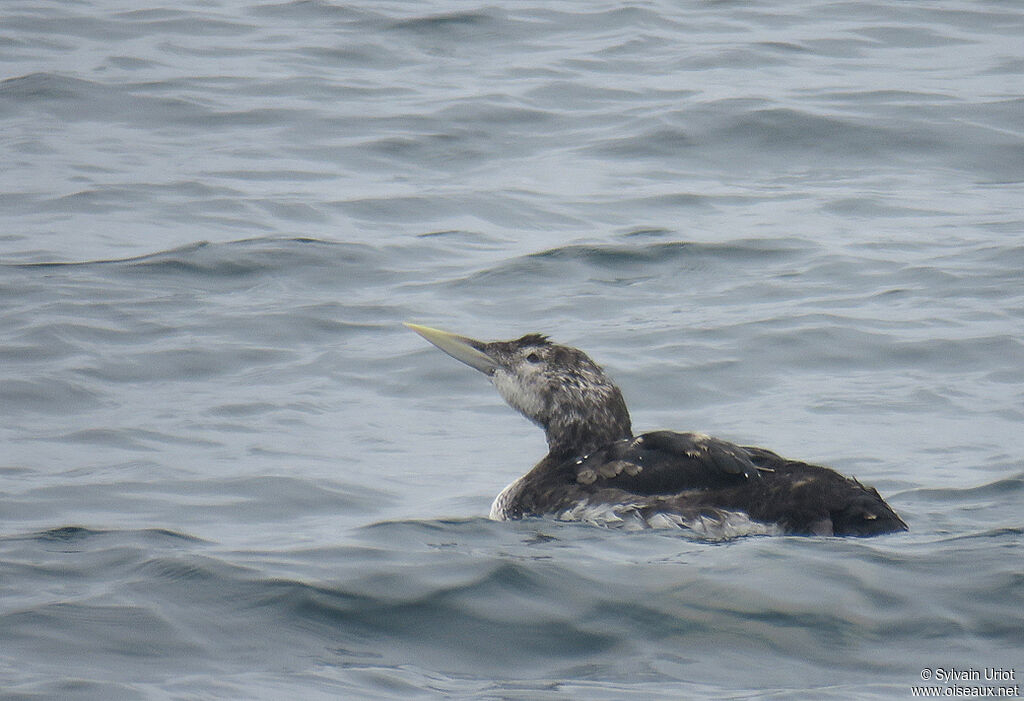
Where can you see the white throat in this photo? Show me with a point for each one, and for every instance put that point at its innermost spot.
(499, 508)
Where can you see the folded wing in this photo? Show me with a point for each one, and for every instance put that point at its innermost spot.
(666, 462)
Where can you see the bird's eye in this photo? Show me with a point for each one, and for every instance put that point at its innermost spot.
(533, 358)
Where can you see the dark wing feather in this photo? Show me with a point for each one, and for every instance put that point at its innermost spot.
(666, 462)
(814, 500)
(694, 473)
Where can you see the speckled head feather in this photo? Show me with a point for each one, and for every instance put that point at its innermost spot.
(560, 389)
(557, 387)
(533, 339)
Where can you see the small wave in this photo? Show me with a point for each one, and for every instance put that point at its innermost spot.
(646, 257)
(44, 86)
(82, 534)
(786, 129)
(75, 99)
(135, 632)
(167, 21)
(263, 498)
(1000, 488)
(446, 614)
(988, 535)
(433, 24)
(612, 254)
(186, 569)
(305, 10)
(233, 259)
(47, 395)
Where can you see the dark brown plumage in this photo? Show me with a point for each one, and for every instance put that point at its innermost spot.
(597, 470)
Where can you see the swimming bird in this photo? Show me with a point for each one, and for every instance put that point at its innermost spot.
(597, 471)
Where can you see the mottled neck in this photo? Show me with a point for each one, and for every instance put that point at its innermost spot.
(577, 431)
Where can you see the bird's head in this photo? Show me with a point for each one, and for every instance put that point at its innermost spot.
(557, 387)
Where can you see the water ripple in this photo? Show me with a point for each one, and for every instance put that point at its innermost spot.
(228, 471)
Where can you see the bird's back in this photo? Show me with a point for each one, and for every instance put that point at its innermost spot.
(695, 481)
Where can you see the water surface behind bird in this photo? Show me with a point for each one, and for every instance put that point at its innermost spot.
(227, 471)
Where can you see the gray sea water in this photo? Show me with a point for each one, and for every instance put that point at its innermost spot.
(227, 471)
